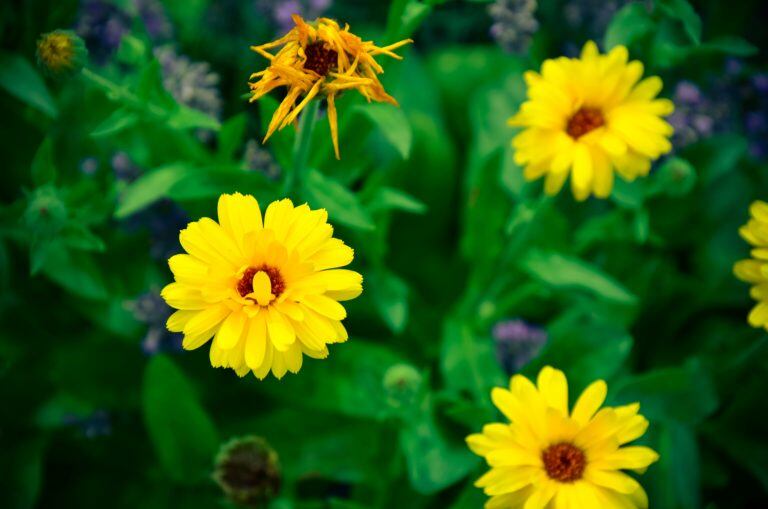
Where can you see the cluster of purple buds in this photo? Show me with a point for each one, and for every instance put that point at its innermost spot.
(517, 343)
(281, 11)
(150, 309)
(514, 24)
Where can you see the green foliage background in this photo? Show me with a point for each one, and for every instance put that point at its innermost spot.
(637, 289)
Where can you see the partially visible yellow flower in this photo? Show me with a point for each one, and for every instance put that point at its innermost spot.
(589, 117)
(755, 270)
(320, 59)
(546, 457)
(61, 52)
(266, 290)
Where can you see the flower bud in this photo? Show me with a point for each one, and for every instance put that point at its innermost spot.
(248, 471)
(61, 52)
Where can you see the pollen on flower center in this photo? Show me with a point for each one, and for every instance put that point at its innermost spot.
(564, 462)
(584, 121)
(319, 58)
(245, 285)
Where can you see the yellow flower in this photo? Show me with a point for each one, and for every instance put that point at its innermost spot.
(589, 117)
(320, 59)
(548, 458)
(267, 291)
(61, 52)
(755, 270)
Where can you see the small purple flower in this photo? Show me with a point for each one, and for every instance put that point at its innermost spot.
(102, 26)
(513, 24)
(89, 166)
(155, 20)
(281, 11)
(260, 160)
(151, 309)
(517, 343)
(696, 115)
(97, 424)
(191, 83)
(124, 168)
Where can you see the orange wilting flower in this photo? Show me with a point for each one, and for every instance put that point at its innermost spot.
(320, 59)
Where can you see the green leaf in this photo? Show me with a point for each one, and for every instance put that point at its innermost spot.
(43, 167)
(188, 118)
(585, 346)
(349, 382)
(150, 188)
(433, 463)
(22, 472)
(119, 120)
(75, 271)
(730, 45)
(675, 479)
(390, 295)
(630, 24)
(78, 236)
(391, 123)
(20, 79)
(231, 136)
(560, 271)
(389, 198)
(468, 362)
(342, 204)
(683, 394)
(684, 12)
(183, 435)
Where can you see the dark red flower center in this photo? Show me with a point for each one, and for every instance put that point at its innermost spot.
(584, 121)
(319, 58)
(245, 285)
(564, 462)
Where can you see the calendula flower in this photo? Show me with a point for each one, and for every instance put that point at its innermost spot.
(319, 59)
(755, 270)
(547, 456)
(61, 52)
(267, 290)
(589, 117)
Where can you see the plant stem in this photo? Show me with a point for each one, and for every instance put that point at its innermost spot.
(295, 177)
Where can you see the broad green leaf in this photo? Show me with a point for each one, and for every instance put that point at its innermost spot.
(78, 236)
(392, 124)
(683, 11)
(389, 198)
(188, 118)
(342, 204)
(120, 119)
(729, 45)
(184, 437)
(684, 394)
(149, 188)
(433, 462)
(75, 271)
(43, 166)
(349, 382)
(20, 79)
(22, 472)
(630, 24)
(468, 362)
(231, 136)
(675, 478)
(390, 295)
(564, 272)
(585, 346)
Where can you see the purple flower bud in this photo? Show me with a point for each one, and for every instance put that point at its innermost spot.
(517, 343)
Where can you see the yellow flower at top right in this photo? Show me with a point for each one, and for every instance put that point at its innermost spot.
(589, 117)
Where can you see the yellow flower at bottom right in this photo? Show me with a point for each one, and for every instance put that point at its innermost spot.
(755, 270)
(548, 457)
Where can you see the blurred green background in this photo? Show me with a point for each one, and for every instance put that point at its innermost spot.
(471, 274)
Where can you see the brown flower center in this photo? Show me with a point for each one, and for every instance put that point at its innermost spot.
(584, 121)
(245, 285)
(319, 58)
(564, 462)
